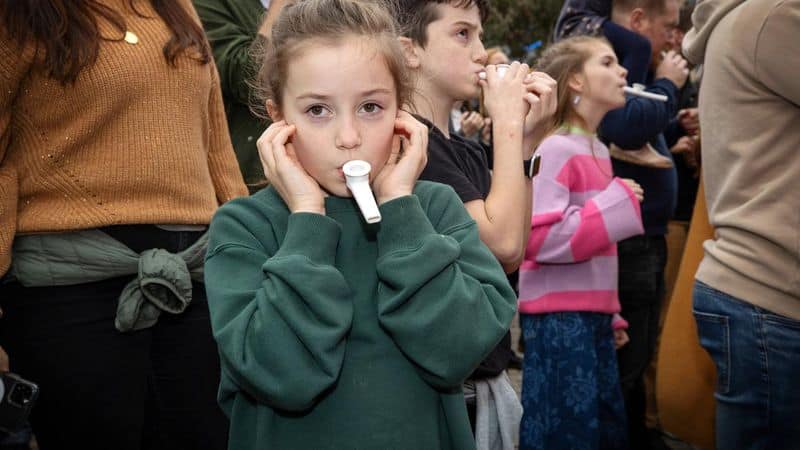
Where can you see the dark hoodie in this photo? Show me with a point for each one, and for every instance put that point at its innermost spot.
(750, 129)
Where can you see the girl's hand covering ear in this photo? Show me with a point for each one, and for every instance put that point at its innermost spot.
(406, 161)
(300, 192)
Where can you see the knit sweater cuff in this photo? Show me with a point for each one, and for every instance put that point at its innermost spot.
(311, 235)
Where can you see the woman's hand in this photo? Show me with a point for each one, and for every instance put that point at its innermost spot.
(541, 95)
(300, 192)
(505, 97)
(406, 161)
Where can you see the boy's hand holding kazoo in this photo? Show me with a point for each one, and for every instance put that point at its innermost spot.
(504, 97)
(295, 186)
(406, 161)
(541, 94)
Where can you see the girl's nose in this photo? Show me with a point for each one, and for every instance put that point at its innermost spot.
(348, 136)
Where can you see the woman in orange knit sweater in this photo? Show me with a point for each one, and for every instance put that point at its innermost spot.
(114, 155)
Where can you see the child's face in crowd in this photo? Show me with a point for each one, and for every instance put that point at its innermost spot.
(343, 101)
(454, 54)
(603, 79)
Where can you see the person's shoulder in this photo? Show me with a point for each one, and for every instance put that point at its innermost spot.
(557, 150)
(431, 189)
(439, 201)
(258, 210)
(561, 144)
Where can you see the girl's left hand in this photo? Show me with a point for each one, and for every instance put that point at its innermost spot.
(402, 169)
(620, 338)
(543, 99)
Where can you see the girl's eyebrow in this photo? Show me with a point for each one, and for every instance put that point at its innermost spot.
(372, 92)
(368, 93)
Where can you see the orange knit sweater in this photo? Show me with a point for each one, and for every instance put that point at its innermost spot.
(133, 141)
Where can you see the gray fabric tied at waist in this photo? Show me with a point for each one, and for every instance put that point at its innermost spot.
(163, 279)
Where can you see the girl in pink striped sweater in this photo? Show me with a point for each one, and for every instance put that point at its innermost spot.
(568, 280)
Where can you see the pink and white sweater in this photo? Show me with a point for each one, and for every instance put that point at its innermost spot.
(580, 212)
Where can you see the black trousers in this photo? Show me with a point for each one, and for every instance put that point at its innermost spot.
(642, 260)
(102, 389)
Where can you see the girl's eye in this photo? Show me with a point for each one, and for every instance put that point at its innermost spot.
(371, 108)
(317, 111)
(463, 33)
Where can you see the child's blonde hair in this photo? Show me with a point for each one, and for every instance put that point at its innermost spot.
(561, 61)
(327, 22)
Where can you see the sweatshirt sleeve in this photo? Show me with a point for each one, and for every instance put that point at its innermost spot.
(641, 119)
(280, 318)
(776, 65)
(563, 232)
(442, 296)
(222, 163)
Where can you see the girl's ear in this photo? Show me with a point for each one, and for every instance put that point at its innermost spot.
(409, 52)
(273, 111)
(576, 83)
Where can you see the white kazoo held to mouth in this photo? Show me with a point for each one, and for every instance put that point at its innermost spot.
(638, 90)
(356, 174)
(501, 71)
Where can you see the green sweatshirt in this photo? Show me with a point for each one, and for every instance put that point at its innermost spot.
(335, 334)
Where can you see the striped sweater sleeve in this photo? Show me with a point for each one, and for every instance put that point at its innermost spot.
(563, 230)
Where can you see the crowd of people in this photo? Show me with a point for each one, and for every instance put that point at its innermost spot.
(183, 264)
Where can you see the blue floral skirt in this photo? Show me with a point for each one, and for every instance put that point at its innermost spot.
(570, 386)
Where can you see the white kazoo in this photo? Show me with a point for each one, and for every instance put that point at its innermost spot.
(356, 174)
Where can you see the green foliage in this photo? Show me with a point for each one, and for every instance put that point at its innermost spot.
(517, 23)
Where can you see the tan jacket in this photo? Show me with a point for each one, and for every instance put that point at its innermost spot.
(750, 122)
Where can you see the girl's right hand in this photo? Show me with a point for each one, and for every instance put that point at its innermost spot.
(281, 167)
(637, 190)
(504, 98)
(620, 338)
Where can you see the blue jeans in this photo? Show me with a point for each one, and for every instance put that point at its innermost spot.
(570, 386)
(757, 354)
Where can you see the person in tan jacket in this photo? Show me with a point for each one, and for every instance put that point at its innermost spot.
(747, 290)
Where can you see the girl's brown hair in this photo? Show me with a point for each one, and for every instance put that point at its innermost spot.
(326, 21)
(67, 38)
(561, 61)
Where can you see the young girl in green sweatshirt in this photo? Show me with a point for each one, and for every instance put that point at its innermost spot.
(335, 333)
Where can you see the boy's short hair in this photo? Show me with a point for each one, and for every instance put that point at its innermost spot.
(656, 7)
(414, 16)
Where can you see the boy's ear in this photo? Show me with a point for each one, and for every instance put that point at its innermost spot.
(409, 52)
(273, 111)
